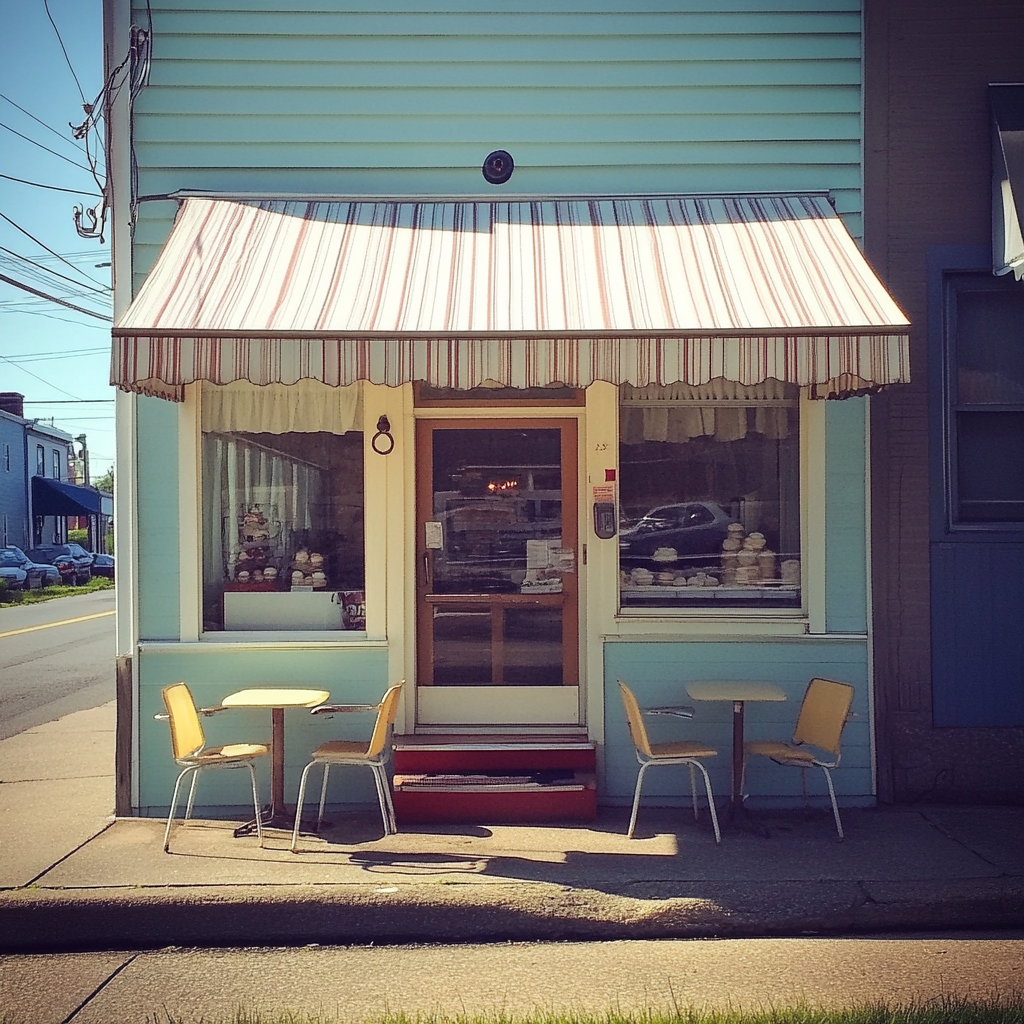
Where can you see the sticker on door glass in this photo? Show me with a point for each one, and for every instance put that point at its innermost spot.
(546, 561)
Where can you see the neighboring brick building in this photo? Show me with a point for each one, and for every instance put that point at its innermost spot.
(948, 586)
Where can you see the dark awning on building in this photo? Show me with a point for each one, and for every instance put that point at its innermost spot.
(1008, 179)
(57, 498)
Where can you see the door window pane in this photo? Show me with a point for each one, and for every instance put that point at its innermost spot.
(462, 645)
(532, 646)
(498, 583)
(710, 496)
(496, 494)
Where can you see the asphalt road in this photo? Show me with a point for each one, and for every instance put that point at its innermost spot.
(56, 657)
(508, 979)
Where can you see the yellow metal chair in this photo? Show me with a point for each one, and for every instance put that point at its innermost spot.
(374, 755)
(190, 751)
(823, 713)
(677, 753)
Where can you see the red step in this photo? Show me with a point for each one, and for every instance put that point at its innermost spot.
(495, 778)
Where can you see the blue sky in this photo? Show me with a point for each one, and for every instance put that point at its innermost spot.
(51, 354)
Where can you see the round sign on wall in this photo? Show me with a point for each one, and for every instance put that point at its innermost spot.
(498, 167)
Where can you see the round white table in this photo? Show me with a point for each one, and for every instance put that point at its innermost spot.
(277, 698)
(739, 693)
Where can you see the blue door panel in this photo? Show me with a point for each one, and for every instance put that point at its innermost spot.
(977, 594)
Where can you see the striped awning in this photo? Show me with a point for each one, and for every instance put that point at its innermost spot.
(639, 290)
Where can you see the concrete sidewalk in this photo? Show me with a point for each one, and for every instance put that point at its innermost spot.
(71, 877)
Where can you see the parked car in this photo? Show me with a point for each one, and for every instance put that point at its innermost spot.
(46, 571)
(73, 561)
(11, 572)
(103, 565)
(690, 528)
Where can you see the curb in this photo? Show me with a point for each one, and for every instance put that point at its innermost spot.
(51, 920)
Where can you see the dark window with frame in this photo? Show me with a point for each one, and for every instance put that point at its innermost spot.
(56, 464)
(40, 460)
(985, 396)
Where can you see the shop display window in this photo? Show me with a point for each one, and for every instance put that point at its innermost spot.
(709, 497)
(282, 518)
(283, 531)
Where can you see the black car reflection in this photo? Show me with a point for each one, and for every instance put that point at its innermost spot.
(691, 528)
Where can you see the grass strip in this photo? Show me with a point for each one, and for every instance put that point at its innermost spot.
(943, 1010)
(12, 597)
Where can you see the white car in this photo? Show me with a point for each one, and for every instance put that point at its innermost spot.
(11, 573)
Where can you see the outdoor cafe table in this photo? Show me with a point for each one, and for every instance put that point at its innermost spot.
(739, 693)
(277, 699)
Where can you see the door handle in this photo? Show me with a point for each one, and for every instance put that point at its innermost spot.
(427, 575)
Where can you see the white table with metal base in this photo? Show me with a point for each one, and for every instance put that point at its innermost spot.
(738, 692)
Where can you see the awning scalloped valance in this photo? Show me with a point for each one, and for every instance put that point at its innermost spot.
(639, 290)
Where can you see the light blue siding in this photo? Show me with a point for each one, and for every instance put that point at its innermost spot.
(352, 675)
(158, 515)
(405, 98)
(658, 672)
(845, 517)
(401, 98)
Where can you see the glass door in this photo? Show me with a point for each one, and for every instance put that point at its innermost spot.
(497, 573)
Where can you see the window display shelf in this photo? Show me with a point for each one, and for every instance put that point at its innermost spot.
(282, 610)
(254, 586)
(721, 593)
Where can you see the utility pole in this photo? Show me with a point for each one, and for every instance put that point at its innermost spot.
(92, 531)
(85, 459)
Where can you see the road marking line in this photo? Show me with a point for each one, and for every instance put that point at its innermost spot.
(50, 625)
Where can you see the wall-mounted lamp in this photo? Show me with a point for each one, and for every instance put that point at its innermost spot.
(383, 443)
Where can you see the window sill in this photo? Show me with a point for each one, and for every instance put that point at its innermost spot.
(633, 624)
(306, 640)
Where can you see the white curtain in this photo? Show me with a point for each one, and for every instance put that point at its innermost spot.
(238, 474)
(678, 412)
(305, 407)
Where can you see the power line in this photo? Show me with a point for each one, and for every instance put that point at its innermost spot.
(54, 188)
(49, 250)
(49, 384)
(67, 401)
(52, 298)
(83, 254)
(99, 290)
(62, 319)
(46, 5)
(47, 148)
(38, 120)
(32, 357)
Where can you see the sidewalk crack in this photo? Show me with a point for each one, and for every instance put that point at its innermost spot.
(70, 853)
(98, 989)
(938, 826)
